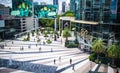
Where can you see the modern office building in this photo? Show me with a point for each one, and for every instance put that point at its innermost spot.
(63, 6)
(55, 2)
(105, 12)
(35, 3)
(43, 3)
(11, 25)
(72, 5)
(4, 11)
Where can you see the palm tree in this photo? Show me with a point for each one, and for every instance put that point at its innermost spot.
(113, 52)
(66, 34)
(98, 47)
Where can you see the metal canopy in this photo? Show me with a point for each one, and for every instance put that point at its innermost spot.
(72, 19)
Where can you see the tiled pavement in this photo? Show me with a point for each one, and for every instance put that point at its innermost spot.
(46, 57)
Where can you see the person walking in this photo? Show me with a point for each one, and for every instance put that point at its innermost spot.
(36, 45)
(22, 48)
(73, 67)
(70, 61)
(29, 46)
(54, 61)
(51, 50)
(39, 49)
(12, 42)
(9, 48)
(60, 59)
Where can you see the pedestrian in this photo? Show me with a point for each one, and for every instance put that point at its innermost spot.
(9, 48)
(51, 50)
(22, 48)
(12, 42)
(73, 67)
(36, 45)
(29, 46)
(39, 49)
(54, 61)
(70, 61)
(60, 59)
(117, 71)
(61, 40)
(43, 42)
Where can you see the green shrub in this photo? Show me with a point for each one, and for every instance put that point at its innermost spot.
(97, 61)
(76, 41)
(66, 43)
(72, 45)
(92, 57)
(45, 34)
(38, 40)
(25, 39)
(48, 41)
(104, 60)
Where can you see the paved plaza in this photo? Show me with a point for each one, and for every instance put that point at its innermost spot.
(66, 60)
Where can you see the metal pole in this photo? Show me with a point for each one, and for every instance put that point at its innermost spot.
(55, 25)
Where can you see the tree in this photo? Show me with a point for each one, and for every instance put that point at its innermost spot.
(98, 47)
(69, 13)
(113, 52)
(48, 41)
(46, 22)
(66, 33)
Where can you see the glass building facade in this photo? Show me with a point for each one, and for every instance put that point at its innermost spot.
(106, 12)
(72, 5)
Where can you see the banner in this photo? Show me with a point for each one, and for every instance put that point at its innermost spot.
(45, 11)
(21, 8)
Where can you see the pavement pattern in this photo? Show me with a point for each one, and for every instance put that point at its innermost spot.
(67, 60)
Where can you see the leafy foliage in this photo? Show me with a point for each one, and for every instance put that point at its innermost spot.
(113, 51)
(48, 41)
(45, 34)
(98, 46)
(66, 33)
(69, 13)
(45, 22)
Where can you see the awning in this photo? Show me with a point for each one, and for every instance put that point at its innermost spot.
(72, 19)
(85, 22)
(67, 18)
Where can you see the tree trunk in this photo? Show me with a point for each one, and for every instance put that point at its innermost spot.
(66, 38)
(97, 56)
(112, 61)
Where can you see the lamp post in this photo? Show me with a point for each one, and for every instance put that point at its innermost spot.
(55, 29)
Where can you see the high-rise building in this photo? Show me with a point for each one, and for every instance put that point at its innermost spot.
(4, 11)
(35, 3)
(43, 3)
(63, 6)
(55, 2)
(72, 5)
(105, 12)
